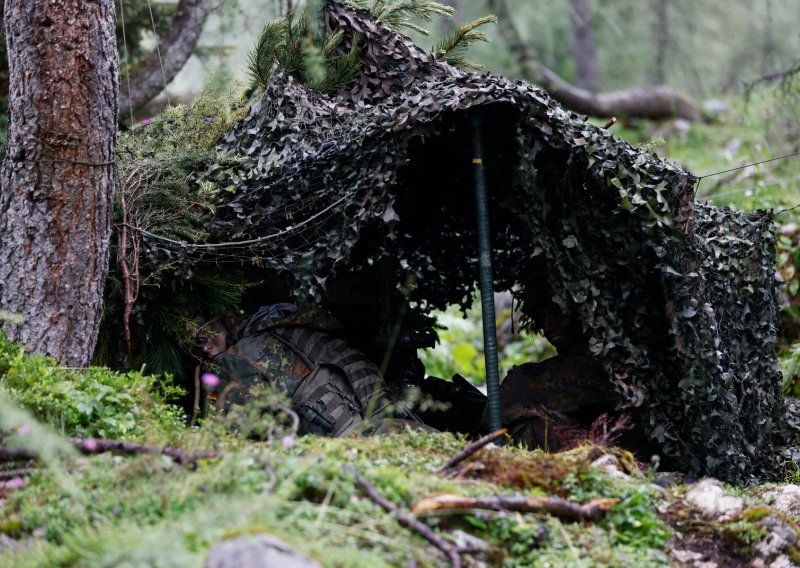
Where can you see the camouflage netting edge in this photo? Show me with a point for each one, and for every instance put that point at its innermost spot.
(678, 298)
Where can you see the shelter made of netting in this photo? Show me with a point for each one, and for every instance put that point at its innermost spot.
(677, 298)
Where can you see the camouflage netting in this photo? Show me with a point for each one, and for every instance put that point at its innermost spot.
(678, 298)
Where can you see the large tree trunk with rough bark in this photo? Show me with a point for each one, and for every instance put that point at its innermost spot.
(656, 102)
(161, 66)
(58, 174)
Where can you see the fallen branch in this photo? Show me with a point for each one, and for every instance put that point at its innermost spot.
(21, 472)
(91, 446)
(653, 102)
(555, 506)
(472, 448)
(407, 520)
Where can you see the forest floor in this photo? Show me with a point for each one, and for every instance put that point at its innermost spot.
(500, 506)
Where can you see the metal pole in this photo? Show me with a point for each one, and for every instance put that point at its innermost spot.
(485, 279)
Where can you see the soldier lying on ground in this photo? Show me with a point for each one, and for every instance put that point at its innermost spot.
(333, 388)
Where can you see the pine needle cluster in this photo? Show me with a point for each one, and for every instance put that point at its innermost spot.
(453, 46)
(399, 14)
(296, 44)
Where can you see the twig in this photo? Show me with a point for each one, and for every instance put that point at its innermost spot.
(196, 405)
(472, 448)
(407, 520)
(15, 454)
(555, 506)
(21, 472)
(90, 446)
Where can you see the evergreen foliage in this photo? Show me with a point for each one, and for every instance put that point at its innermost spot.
(296, 45)
(452, 47)
(400, 14)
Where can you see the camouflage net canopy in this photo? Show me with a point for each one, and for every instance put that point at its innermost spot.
(678, 298)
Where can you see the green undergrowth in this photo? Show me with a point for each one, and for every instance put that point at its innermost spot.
(93, 401)
(147, 511)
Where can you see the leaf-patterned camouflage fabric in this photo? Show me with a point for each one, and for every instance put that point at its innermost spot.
(678, 298)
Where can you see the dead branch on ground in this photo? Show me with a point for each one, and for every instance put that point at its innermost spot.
(472, 448)
(407, 520)
(555, 506)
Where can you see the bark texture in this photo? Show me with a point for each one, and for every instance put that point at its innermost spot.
(160, 67)
(58, 175)
(656, 102)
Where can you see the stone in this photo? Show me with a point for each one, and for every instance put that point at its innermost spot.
(709, 496)
(784, 498)
(256, 551)
(780, 537)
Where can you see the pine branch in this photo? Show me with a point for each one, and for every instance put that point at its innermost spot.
(452, 46)
(262, 60)
(398, 14)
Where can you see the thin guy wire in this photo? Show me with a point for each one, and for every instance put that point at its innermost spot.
(701, 178)
(158, 51)
(287, 231)
(127, 63)
(753, 164)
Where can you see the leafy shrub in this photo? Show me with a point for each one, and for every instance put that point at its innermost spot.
(90, 402)
(790, 367)
(460, 348)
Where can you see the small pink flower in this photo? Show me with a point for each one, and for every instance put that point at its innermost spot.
(16, 483)
(23, 430)
(210, 380)
(89, 445)
(145, 121)
(287, 442)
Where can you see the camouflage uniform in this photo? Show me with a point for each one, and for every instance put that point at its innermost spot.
(332, 386)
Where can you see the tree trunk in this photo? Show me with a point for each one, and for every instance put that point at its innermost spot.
(58, 175)
(650, 102)
(584, 51)
(661, 32)
(163, 63)
(446, 26)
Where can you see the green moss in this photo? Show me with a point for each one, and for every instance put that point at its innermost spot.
(11, 527)
(755, 514)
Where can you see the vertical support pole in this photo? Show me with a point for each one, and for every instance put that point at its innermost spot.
(485, 278)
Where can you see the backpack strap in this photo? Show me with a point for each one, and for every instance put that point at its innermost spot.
(316, 347)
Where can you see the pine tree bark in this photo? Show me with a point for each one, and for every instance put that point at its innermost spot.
(58, 174)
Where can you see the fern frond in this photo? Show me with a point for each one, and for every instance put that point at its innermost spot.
(452, 46)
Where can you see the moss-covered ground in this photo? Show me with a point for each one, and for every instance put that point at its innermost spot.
(147, 510)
